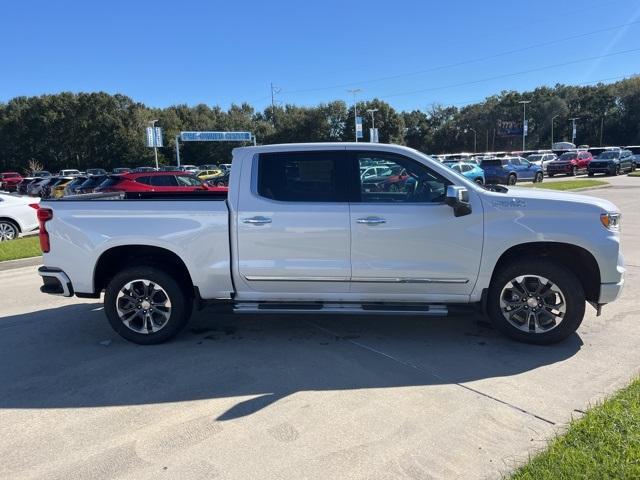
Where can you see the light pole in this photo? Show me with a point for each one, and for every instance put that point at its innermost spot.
(573, 129)
(602, 127)
(475, 138)
(155, 149)
(552, 119)
(372, 111)
(524, 121)
(355, 91)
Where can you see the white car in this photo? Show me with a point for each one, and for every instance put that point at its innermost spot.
(299, 232)
(17, 216)
(68, 172)
(542, 159)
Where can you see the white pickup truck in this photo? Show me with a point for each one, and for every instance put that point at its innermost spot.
(301, 231)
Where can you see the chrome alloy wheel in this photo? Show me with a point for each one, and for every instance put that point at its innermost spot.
(533, 304)
(143, 306)
(7, 231)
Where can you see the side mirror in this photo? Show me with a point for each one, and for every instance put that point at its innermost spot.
(458, 199)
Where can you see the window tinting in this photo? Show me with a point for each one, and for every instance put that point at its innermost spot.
(415, 182)
(145, 180)
(304, 176)
(164, 181)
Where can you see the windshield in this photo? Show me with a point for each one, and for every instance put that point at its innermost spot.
(534, 158)
(608, 155)
(568, 156)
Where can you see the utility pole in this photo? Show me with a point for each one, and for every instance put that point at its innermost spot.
(602, 128)
(573, 129)
(274, 90)
(475, 138)
(552, 119)
(524, 122)
(355, 91)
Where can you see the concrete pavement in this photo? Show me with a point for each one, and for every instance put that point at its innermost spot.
(297, 397)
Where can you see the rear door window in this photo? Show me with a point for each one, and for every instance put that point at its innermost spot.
(164, 181)
(304, 176)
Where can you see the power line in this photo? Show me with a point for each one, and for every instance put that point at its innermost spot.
(512, 74)
(461, 63)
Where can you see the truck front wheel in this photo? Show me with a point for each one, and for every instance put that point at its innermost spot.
(537, 301)
(145, 305)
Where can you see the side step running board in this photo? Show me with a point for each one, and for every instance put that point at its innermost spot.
(342, 308)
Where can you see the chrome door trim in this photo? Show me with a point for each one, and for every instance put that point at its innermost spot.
(408, 280)
(267, 278)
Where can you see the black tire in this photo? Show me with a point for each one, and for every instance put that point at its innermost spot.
(590, 174)
(8, 230)
(562, 278)
(538, 178)
(616, 172)
(180, 310)
(479, 181)
(512, 180)
(550, 175)
(574, 171)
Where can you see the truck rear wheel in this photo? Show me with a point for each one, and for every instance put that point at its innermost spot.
(536, 301)
(145, 305)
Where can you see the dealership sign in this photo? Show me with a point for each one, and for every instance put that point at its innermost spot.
(215, 136)
(509, 129)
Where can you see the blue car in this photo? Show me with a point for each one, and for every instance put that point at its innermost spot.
(509, 170)
(470, 170)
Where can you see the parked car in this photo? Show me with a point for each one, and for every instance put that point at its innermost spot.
(612, 162)
(17, 215)
(91, 182)
(57, 190)
(209, 173)
(41, 173)
(374, 171)
(9, 181)
(68, 172)
(23, 186)
(144, 169)
(297, 234)
(470, 170)
(72, 187)
(509, 170)
(636, 160)
(570, 163)
(392, 179)
(39, 187)
(121, 170)
(154, 182)
(188, 168)
(218, 180)
(96, 171)
(542, 159)
(169, 168)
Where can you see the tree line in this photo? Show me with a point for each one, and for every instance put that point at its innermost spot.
(85, 130)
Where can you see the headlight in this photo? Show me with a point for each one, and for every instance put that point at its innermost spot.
(611, 221)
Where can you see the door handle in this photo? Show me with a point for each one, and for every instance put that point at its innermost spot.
(257, 220)
(371, 220)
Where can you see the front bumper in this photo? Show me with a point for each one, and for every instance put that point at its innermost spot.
(55, 282)
(556, 170)
(609, 292)
(607, 169)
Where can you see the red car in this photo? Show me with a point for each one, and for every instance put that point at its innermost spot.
(155, 182)
(569, 163)
(9, 181)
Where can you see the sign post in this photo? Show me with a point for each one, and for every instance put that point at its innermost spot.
(358, 128)
(154, 139)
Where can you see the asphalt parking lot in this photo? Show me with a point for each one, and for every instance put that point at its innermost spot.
(297, 397)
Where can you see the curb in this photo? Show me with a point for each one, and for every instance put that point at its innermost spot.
(20, 263)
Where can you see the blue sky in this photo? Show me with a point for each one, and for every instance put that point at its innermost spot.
(409, 53)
